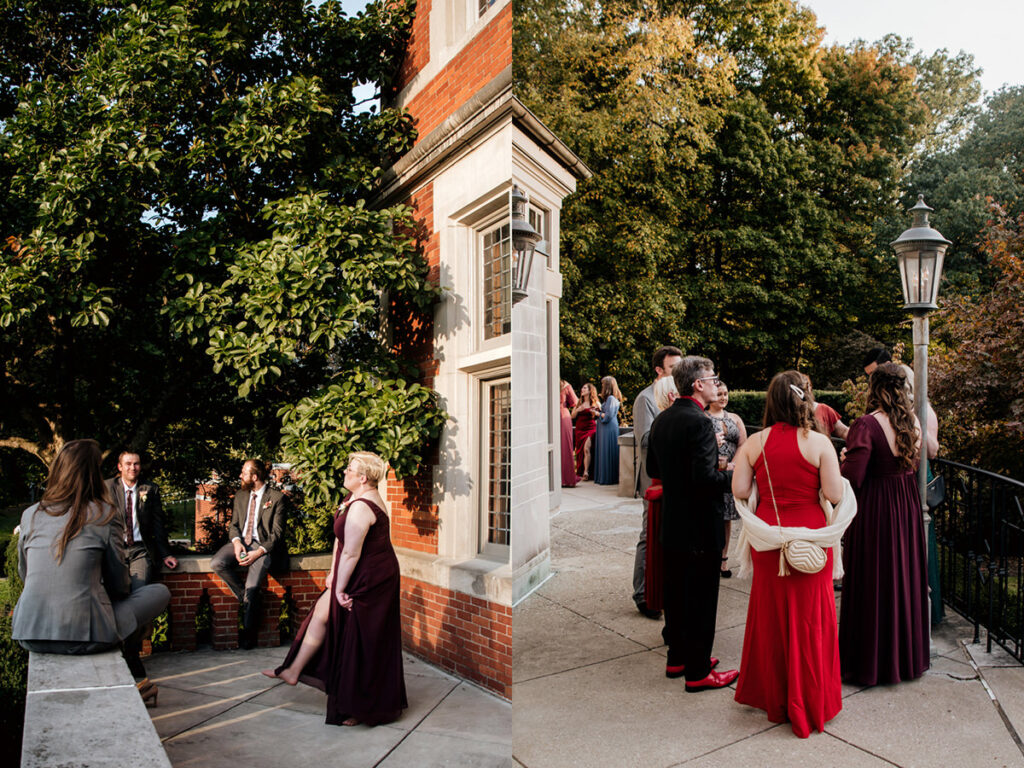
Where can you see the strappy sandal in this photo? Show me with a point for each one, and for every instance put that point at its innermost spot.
(725, 573)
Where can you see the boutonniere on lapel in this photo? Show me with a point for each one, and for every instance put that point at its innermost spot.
(143, 495)
(268, 504)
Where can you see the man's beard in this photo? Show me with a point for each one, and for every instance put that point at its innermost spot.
(246, 485)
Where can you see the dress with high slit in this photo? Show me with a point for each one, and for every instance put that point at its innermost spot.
(359, 665)
(790, 663)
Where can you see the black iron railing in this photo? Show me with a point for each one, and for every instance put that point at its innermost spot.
(979, 530)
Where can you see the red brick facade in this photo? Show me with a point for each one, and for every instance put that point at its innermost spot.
(465, 635)
(479, 62)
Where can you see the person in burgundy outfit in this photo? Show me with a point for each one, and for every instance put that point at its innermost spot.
(585, 413)
(566, 402)
(883, 619)
(350, 645)
(682, 450)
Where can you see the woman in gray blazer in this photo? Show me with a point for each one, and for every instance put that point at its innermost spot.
(77, 596)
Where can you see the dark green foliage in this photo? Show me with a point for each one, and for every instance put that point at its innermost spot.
(310, 527)
(13, 659)
(186, 190)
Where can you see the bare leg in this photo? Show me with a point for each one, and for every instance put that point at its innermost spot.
(311, 642)
(725, 550)
(586, 458)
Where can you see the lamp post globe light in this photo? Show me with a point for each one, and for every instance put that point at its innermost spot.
(524, 244)
(921, 251)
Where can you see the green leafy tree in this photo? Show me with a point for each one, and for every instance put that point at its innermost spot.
(188, 244)
(958, 181)
(738, 177)
(975, 371)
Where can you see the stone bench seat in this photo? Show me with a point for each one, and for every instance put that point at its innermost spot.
(86, 711)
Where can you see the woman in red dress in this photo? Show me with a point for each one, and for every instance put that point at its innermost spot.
(585, 413)
(790, 664)
(350, 645)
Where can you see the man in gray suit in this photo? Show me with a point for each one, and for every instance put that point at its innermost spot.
(644, 413)
(145, 538)
(145, 535)
(257, 543)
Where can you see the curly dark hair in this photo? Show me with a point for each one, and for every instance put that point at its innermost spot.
(887, 392)
(788, 402)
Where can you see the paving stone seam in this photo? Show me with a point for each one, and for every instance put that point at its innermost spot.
(584, 666)
(599, 624)
(770, 727)
(237, 704)
(992, 697)
(859, 748)
(595, 541)
(416, 725)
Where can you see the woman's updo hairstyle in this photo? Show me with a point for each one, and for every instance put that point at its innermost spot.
(787, 402)
(369, 464)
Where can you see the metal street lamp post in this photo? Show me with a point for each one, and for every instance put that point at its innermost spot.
(524, 243)
(921, 251)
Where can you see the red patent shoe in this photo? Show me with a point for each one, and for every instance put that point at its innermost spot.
(713, 680)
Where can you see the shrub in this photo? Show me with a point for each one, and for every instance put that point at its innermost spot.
(13, 660)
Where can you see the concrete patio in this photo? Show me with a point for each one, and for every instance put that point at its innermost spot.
(216, 710)
(589, 685)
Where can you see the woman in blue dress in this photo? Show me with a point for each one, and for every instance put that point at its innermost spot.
(606, 470)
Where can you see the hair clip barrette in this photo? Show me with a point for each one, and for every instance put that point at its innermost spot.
(799, 392)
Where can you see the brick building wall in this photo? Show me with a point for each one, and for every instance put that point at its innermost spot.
(476, 64)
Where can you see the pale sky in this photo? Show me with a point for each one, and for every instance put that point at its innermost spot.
(989, 29)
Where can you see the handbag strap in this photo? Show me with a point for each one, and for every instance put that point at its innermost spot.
(764, 455)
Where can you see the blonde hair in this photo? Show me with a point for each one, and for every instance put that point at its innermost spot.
(369, 464)
(663, 387)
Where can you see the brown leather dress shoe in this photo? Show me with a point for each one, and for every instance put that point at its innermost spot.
(713, 680)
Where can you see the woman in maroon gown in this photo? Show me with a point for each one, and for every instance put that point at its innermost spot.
(883, 627)
(566, 401)
(585, 413)
(790, 665)
(350, 645)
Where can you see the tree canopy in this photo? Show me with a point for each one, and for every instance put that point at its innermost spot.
(735, 204)
(189, 254)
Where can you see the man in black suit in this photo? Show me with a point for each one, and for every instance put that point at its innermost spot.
(683, 452)
(140, 507)
(257, 543)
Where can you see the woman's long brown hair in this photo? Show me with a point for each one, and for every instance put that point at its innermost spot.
(595, 401)
(887, 392)
(74, 486)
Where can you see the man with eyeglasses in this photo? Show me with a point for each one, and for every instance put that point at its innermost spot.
(683, 452)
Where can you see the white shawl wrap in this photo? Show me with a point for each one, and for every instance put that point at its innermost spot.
(763, 536)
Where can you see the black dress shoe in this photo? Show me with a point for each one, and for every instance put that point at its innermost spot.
(650, 613)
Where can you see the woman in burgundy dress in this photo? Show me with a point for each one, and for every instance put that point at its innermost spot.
(883, 627)
(790, 665)
(350, 645)
(585, 413)
(566, 401)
